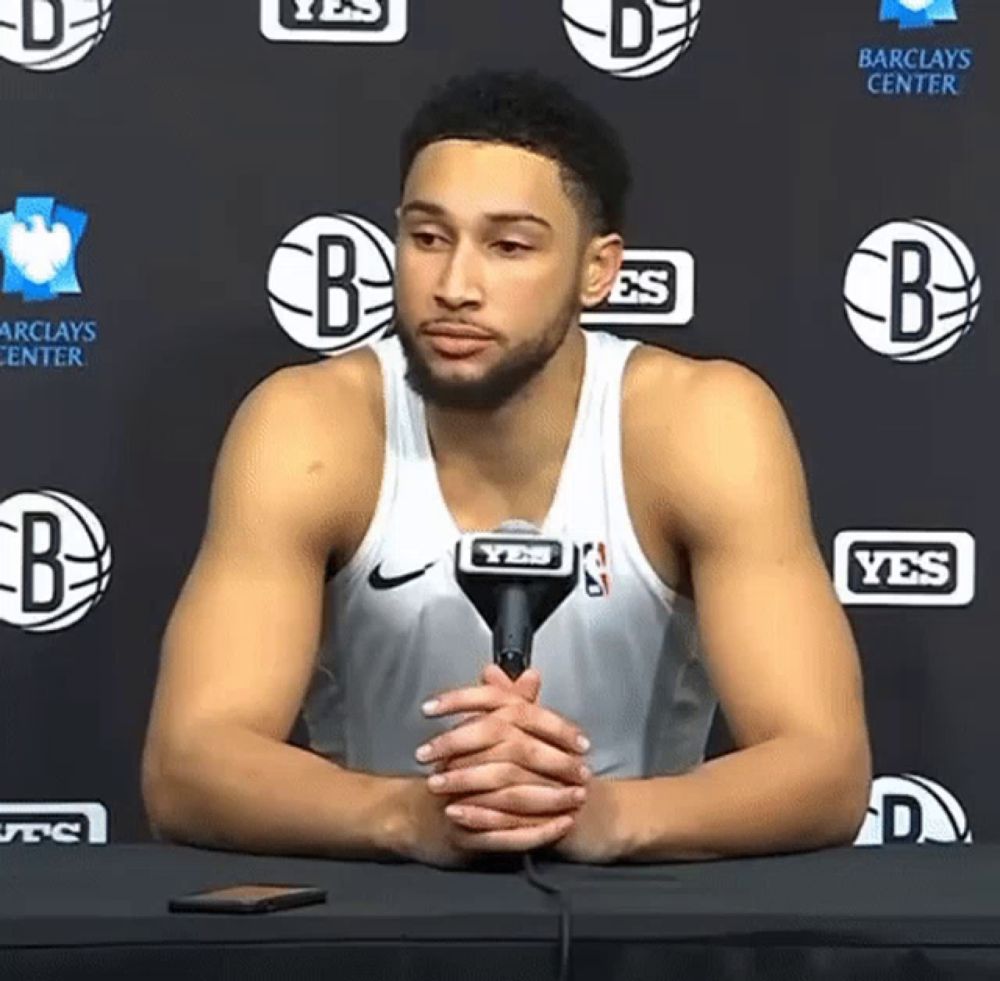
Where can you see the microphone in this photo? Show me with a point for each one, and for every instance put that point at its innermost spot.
(515, 577)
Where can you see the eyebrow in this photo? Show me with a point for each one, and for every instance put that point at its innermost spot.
(496, 217)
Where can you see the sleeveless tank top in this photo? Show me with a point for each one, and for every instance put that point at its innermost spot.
(620, 656)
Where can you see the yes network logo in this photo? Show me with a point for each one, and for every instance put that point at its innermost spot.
(38, 240)
(918, 13)
(905, 568)
(334, 21)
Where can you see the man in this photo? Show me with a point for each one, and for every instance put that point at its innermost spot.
(325, 579)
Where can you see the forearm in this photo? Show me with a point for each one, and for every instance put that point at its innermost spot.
(787, 794)
(236, 789)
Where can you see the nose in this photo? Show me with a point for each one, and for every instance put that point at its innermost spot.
(459, 284)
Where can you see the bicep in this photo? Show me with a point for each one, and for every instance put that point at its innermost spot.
(240, 642)
(778, 646)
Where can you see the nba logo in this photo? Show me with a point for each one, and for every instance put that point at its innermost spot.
(596, 579)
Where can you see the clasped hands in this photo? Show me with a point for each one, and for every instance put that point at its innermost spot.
(511, 775)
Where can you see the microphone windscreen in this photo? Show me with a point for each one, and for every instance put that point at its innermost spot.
(519, 525)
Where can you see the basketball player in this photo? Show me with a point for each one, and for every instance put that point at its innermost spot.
(325, 581)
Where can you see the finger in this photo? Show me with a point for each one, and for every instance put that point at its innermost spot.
(546, 725)
(491, 775)
(481, 698)
(519, 774)
(515, 840)
(473, 737)
(529, 753)
(529, 800)
(529, 684)
(493, 674)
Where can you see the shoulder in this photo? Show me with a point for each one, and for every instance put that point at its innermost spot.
(676, 397)
(713, 431)
(306, 441)
(326, 404)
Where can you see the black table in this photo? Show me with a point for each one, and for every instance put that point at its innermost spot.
(906, 912)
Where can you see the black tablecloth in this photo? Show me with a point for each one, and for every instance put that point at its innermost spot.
(906, 912)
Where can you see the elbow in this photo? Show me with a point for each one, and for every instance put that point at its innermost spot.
(849, 795)
(163, 793)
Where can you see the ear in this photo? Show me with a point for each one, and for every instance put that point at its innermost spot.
(602, 261)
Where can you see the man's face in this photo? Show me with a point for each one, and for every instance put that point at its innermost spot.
(490, 244)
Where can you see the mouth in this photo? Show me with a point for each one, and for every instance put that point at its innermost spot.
(455, 347)
(454, 341)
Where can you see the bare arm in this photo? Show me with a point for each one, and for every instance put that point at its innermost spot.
(778, 646)
(239, 649)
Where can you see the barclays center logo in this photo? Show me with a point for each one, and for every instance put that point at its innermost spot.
(40, 239)
(918, 13)
(917, 68)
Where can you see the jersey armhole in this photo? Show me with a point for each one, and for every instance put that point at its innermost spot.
(360, 559)
(665, 593)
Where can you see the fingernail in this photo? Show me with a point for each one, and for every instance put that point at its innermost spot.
(584, 773)
(452, 811)
(579, 795)
(431, 705)
(423, 753)
(583, 742)
(437, 781)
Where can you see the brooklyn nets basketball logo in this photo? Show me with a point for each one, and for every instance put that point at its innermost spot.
(911, 290)
(330, 283)
(631, 38)
(49, 35)
(55, 561)
(912, 809)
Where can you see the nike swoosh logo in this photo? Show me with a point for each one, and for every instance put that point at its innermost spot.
(377, 581)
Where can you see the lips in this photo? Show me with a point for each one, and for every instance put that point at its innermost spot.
(456, 330)
(458, 346)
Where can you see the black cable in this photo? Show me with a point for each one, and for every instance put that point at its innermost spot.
(564, 913)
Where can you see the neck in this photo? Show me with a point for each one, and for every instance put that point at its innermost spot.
(527, 435)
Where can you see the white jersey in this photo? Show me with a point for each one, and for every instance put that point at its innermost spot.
(619, 656)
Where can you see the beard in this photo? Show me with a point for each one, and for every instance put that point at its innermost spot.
(501, 382)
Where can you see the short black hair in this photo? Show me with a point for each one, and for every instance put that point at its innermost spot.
(528, 110)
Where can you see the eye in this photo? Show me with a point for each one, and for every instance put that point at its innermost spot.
(510, 248)
(426, 240)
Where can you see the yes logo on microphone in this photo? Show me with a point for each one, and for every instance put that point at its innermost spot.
(904, 568)
(514, 554)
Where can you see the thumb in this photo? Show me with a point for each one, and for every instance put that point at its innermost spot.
(529, 684)
(495, 675)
